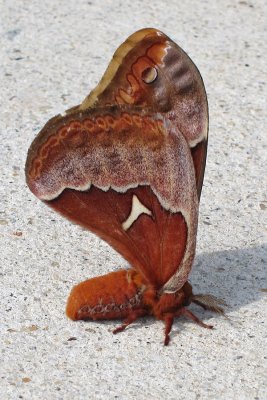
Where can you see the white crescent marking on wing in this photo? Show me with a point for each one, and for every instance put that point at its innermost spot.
(137, 209)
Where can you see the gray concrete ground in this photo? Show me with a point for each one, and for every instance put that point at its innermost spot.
(52, 54)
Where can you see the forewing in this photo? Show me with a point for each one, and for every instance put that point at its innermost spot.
(150, 70)
(126, 175)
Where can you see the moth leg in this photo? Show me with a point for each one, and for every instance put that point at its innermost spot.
(168, 319)
(183, 311)
(133, 316)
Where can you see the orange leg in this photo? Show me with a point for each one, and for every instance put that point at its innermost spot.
(168, 319)
(183, 311)
(133, 316)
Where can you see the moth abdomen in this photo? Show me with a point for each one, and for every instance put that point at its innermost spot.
(111, 296)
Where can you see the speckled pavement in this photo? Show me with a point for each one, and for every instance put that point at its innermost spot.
(51, 55)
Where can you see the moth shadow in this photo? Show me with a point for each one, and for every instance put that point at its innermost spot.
(237, 276)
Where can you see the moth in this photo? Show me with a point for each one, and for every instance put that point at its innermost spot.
(128, 164)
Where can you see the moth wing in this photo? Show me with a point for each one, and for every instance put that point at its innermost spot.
(127, 176)
(151, 70)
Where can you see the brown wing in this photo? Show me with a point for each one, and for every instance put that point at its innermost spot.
(128, 176)
(150, 70)
(154, 245)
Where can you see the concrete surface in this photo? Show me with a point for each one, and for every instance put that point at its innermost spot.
(52, 54)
